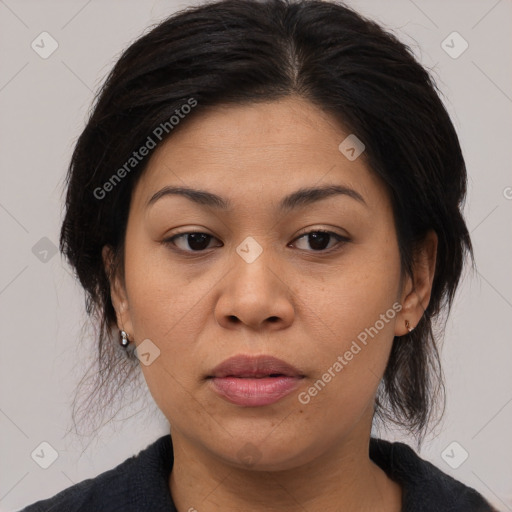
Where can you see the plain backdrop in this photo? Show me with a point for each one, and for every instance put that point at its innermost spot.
(43, 105)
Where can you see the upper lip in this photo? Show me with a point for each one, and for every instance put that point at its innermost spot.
(254, 366)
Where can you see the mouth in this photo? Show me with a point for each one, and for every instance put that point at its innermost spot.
(254, 381)
(258, 376)
(254, 367)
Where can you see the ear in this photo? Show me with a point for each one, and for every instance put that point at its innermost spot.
(117, 292)
(417, 288)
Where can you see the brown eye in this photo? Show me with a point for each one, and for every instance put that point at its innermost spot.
(319, 240)
(191, 241)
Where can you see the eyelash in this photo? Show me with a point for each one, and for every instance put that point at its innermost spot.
(341, 240)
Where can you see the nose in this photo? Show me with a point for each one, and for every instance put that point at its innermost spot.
(256, 295)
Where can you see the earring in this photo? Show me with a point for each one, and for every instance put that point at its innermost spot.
(124, 340)
(408, 326)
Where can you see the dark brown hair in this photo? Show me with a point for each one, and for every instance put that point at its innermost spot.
(241, 51)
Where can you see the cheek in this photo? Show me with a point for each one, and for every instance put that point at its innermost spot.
(166, 308)
(355, 312)
(161, 299)
(354, 294)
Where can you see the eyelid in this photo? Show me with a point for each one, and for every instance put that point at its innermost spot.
(169, 241)
(341, 239)
(309, 230)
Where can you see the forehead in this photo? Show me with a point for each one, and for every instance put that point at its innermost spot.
(259, 150)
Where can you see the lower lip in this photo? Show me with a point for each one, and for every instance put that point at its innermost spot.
(254, 392)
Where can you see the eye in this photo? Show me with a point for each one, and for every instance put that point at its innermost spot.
(195, 240)
(318, 239)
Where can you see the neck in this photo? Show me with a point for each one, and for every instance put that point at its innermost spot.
(344, 478)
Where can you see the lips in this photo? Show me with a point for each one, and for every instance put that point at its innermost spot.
(254, 367)
(254, 381)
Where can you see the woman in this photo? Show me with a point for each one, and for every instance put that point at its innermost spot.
(265, 206)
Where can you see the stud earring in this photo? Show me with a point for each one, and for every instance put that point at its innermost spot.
(124, 339)
(408, 326)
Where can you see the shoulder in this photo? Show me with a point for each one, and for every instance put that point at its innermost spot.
(425, 487)
(86, 494)
(124, 488)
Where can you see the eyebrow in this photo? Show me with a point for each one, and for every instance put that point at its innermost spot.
(299, 199)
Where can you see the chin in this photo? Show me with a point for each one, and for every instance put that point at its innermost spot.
(262, 453)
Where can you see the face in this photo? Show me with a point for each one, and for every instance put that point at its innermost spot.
(315, 283)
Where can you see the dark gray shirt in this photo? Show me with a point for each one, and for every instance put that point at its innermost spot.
(141, 484)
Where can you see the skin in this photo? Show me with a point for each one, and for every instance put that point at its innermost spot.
(299, 304)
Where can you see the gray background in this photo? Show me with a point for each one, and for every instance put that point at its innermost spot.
(43, 104)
